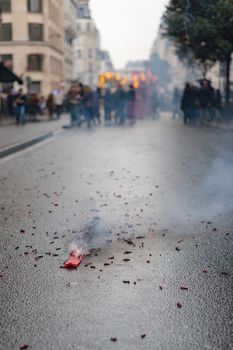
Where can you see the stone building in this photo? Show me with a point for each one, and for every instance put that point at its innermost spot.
(106, 64)
(86, 46)
(70, 34)
(32, 41)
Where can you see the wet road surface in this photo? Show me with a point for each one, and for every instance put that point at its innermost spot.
(162, 278)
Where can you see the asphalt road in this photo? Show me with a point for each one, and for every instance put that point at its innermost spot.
(161, 277)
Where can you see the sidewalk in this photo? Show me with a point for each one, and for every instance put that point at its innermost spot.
(12, 134)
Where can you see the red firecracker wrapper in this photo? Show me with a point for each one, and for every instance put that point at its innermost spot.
(74, 261)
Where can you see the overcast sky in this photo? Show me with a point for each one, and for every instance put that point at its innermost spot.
(127, 27)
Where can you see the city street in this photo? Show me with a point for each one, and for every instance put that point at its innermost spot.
(156, 200)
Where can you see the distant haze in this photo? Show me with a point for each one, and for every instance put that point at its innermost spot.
(127, 27)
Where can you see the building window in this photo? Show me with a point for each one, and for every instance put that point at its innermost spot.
(90, 68)
(35, 31)
(35, 62)
(79, 54)
(5, 5)
(35, 6)
(35, 87)
(90, 55)
(7, 60)
(6, 32)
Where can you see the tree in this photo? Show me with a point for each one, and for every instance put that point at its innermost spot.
(202, 32)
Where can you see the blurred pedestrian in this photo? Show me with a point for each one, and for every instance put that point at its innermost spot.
(32, 106)
(131, 104)
(188, 103)
(42, 105)
(108, 105)
(96, 105)
(50, 105)
(58, 97)
(75, 99)
(20, 104)
(88, 106)
(206, 98)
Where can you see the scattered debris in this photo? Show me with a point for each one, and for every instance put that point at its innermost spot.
(114, 339)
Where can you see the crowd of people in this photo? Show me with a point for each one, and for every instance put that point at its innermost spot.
(22, 106)
(119, 105)
(115, 104)
(198, 103)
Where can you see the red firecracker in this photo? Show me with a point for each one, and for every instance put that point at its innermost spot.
(74, 261)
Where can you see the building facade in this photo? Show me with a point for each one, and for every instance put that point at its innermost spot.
(32, 42)
(70, 34)
(86, 46)
(105, 64)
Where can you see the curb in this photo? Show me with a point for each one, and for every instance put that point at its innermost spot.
(21, 146)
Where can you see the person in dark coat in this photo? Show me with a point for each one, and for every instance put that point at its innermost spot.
(50, 105)
(108, 105)
(131, 104)
(188, 103)
(74, 100)
(88, 106)
(96, 105)
(21, 104)
(206, 99)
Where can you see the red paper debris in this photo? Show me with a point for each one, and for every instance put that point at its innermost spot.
(74, 261)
